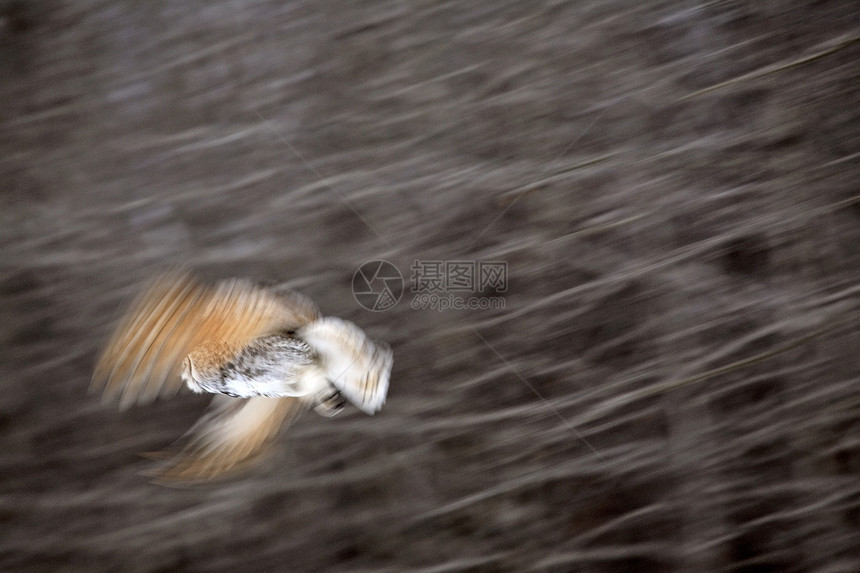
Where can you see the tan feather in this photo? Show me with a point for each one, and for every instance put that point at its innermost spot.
(232, 434)
(174, 315)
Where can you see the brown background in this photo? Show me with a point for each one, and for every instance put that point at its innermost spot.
(653, 231)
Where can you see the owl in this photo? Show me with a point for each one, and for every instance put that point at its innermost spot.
(266, 355)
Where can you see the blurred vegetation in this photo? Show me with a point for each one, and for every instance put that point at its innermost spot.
(672, 384)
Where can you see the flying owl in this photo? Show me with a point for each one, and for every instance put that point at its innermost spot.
(266, 355)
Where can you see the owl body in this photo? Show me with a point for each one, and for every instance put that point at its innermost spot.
(276, 366)
(265, 355)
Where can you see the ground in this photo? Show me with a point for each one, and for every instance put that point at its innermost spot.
(671, 384)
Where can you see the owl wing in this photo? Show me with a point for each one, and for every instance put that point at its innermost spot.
(356, 365)
(176, 313)
(231, 434)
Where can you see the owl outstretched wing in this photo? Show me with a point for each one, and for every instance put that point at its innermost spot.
(176, 313)
(356, 365)
(231, 434)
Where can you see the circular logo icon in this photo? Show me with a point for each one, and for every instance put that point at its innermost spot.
(377, 285)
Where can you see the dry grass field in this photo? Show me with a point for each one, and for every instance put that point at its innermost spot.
(673, 383)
